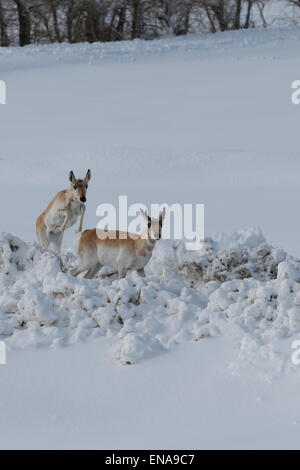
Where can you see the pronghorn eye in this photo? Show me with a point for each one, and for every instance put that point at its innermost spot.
(75, 186)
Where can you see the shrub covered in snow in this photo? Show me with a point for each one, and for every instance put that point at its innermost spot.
(237, 283)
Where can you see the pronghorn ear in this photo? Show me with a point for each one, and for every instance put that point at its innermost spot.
(87, 176)
(144, 214)
(72, 177)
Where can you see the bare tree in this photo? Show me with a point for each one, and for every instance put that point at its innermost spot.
(48, 21)
(4, 39)
(121, 14)
(24, 22)
(247, 22)
(224, 15)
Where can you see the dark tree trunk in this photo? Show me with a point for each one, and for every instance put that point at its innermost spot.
(91, 25)
(222, 20)
(4, 39)
(186, 22)
(121, 22)
(237, 16)
(210, 19)
(24, 23)
(248, 16)
(55, 22)
(136, 19)
(70, 20)
(220, 14)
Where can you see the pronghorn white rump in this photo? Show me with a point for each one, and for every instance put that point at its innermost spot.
(122, 251)
(62, 212)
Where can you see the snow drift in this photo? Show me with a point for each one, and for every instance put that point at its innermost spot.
(238, 283)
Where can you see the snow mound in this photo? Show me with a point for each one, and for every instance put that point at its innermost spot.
(237, 285)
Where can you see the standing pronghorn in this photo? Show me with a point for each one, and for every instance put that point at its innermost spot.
(122, 251)
(62, 212)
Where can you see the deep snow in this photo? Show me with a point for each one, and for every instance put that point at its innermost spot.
(237, 283)
(197, 119)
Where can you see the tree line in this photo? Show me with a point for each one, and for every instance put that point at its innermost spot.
(24, 22)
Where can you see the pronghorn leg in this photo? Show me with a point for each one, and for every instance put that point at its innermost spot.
(43, 239)
(41, 232)
(63, 227)
(93, 271)
(141, 272)
(56, 240)
(81, 218)
(81, 267)
(122, 273)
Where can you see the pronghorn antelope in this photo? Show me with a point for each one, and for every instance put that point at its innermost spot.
(122, 251)
(62, 212)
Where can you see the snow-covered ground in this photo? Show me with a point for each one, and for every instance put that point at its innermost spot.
(208, 335)
(238, 284)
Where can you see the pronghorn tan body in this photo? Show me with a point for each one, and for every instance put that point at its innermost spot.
(119, 250)
(62, 212)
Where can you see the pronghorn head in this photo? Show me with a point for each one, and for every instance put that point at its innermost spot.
(154, 224)
(79, 187)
